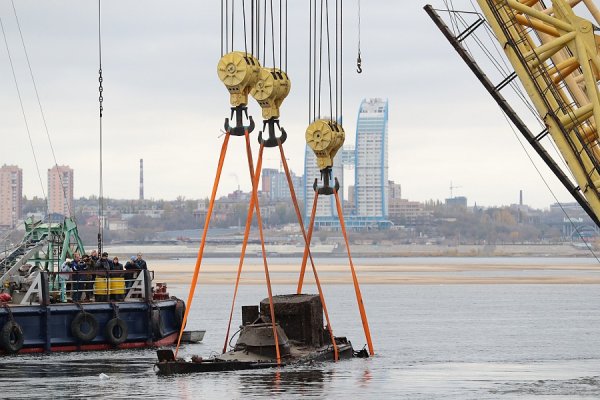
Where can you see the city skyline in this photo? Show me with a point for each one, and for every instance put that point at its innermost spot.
(274, 186)
(436, 136)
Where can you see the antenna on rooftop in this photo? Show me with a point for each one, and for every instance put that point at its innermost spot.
(452, 187)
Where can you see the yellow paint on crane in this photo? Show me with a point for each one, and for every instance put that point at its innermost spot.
(239, 71)
(555, 55)
(325, 138)
(271, 88)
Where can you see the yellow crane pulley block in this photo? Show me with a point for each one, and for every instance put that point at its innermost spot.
(325, 138)
(239, 72)
(270, 90)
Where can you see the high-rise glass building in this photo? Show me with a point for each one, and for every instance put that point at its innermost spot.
(371, 165)
(369, 157)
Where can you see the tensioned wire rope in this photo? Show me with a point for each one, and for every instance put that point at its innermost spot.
(100, 109)
(219, 169)
(320, 61)
(504, 72)
(37, 95)
(256, 175)
(315, 104)
(525, 100)
(24, 114)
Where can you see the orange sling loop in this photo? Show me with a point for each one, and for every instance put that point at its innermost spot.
(253, 175)
(264, 252)
(307, 244)
(361, 306)
(204, 232)
(311, 225)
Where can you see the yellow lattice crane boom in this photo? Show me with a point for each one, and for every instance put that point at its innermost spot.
(554, 53)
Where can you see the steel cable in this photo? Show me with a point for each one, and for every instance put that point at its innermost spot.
(24, 115)
(71, 214)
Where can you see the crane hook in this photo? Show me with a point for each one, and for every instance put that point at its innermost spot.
(359, 63)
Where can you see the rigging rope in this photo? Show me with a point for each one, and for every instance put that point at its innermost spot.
(222, 29)
(361, 306)
(358, 59)
(526, 101)
(288, 176)
(329, 60)
(319, 58)
(272, 34)
(24, 115)
(310, 76)
(550, 189)
(203, 240)
(101, 109)
(307, 240)
(253, 175)
(63, 187)
(244, 23)
(286, 36)
(264, 252)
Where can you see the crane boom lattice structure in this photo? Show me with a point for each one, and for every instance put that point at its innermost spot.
(554, 54)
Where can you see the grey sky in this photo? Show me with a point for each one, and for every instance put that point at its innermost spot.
(164, 102)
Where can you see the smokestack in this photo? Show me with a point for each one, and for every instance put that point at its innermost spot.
(520, 197)
(141, 179)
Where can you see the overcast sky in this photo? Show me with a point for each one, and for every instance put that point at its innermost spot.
(164, 103)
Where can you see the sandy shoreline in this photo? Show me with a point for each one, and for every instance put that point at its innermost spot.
(387, 274)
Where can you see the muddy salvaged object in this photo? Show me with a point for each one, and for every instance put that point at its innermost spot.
(300, 333)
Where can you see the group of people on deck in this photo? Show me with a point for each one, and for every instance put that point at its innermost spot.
(93, 264)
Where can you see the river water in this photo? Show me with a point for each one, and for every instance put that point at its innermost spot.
(432, 341)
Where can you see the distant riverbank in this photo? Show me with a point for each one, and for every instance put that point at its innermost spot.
(363, 250)
(421, 270)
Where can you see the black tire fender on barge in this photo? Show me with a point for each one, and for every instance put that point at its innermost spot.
(81, 320)
(12, 337)
(179, 313)
(157, 324)
(116, 331)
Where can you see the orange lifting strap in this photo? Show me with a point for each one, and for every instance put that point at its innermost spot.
(311, 225)
(254, 176)
(306, 250)
(262, 245)
(307, 245)
(204, 233)
(244, 242)
(361, 306)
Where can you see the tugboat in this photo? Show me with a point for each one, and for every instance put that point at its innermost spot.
(300, 335)
(121, 310)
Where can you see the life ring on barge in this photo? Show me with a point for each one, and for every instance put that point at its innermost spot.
(12, 337)
(82, 321)
(116, 331)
